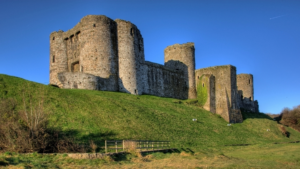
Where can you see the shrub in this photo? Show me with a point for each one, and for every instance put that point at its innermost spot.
(93, 146)
(291, 117)
(26, 129)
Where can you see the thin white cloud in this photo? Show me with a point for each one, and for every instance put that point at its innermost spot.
(278, 16)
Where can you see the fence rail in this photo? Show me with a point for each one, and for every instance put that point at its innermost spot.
(136, 145)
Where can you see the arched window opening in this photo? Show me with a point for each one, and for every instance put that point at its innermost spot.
(94, 25)
(53, 59)
(53, 38)
(71, 38)
(131, 31)
(75, 67)
(249, 81)
(202, 84)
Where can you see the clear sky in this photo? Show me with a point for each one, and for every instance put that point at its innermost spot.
(261, 37)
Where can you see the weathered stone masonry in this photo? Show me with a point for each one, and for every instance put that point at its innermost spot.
(104, 54)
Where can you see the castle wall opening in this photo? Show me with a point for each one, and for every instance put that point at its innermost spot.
(75, 67)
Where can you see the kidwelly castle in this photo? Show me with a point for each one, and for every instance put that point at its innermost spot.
(104, 54)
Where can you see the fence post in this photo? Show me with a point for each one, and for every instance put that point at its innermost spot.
(116, 142)
(140, 146)
(152, 146)
(123, 146)
(105, 146)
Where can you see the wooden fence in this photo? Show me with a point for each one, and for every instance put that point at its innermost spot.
(135, 145)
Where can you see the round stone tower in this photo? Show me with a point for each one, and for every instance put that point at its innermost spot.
(182, 57)
(98, 55)
(131, 57)
(58, 57)
(245, 86)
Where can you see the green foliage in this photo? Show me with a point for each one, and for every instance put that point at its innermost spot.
(201, 92)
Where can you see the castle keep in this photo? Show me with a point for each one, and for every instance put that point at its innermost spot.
(104, 54)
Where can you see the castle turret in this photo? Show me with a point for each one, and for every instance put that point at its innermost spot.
(245, 86)
(182, 57)
(58, 57)
(98, 56)
(131, 57)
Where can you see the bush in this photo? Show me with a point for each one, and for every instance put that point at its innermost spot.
(291, 117)
(26, 129)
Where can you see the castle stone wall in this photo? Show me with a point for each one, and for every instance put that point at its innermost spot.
(131, 57)
(161, 81)
(207, 81)
(245, 85)
(246, 93)
(185, 54)
(225, 91)
(58, 56)
(90, 47)
(79, 80)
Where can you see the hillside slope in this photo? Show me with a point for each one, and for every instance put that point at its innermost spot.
(99, 115)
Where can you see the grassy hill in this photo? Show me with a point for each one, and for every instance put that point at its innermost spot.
(99, 115)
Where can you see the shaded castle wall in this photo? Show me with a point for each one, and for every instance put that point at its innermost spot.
(91, 47)
(78, 80)
(161, 81)
(246, 93)
(182, 57)
(206, 92)
(131, 57)
(225, 91)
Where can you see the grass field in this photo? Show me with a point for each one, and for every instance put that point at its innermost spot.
(271, 156)
(99, 115)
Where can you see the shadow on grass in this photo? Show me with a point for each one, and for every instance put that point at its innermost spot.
(77, 137)
(252, 115)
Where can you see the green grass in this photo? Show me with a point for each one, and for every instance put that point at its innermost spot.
(201, 92)
(99, 115)
(269, 156)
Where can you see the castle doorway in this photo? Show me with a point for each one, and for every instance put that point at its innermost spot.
(75, 67)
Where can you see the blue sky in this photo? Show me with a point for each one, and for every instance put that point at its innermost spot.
(261, 37)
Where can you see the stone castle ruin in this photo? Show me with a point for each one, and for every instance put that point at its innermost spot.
(104, 54)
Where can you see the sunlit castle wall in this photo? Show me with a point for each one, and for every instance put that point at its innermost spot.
(58, 56)
(90, 47)
(245, 86)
